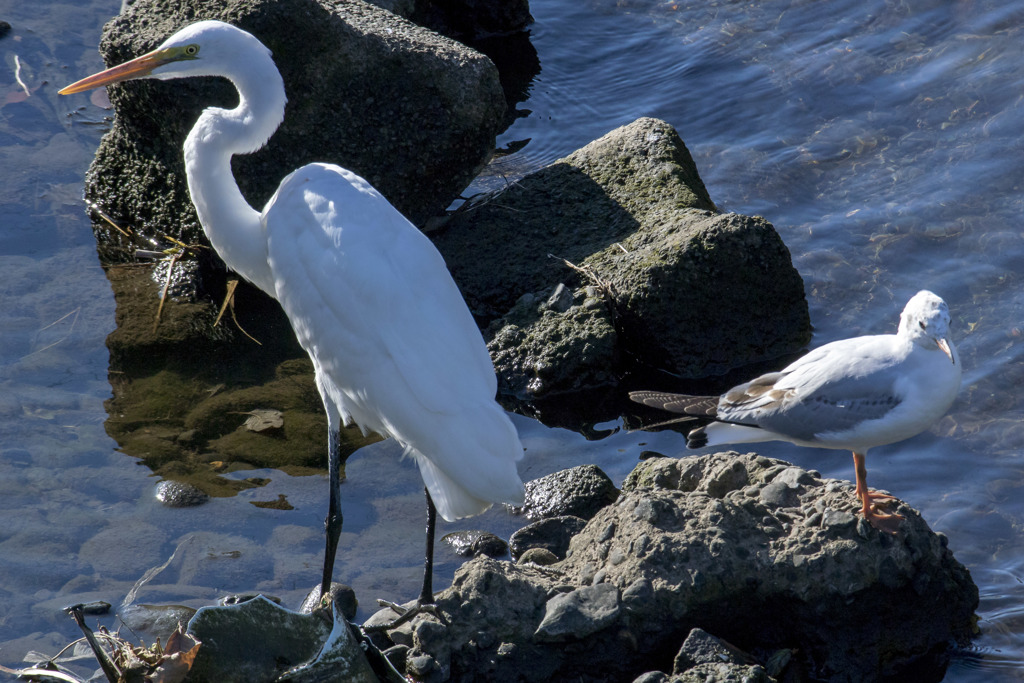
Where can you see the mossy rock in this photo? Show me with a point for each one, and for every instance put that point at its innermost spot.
(685, 289)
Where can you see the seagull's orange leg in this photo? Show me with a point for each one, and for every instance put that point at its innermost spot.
(871, 500)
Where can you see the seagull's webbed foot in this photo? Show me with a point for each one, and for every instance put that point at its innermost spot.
(873, 501)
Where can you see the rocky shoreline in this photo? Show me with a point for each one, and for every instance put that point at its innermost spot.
(721, 567)
(762, 554)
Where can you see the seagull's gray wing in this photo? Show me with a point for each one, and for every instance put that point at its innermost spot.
(832, 389)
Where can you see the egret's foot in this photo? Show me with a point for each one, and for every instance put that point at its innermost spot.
(405, 615)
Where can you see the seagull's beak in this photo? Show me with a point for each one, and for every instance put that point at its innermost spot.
(136, 68)
(944, 345)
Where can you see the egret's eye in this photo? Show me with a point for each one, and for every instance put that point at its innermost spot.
(192, 50)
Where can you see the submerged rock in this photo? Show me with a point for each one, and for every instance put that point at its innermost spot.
(155, 621)
(713, 543)
(177, 494)
(656, 272)
(259, 641)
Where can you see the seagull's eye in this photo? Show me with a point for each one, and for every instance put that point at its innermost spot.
(923, 326)
(192, 50)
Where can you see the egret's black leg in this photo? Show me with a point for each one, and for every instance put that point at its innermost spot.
(332, 524)
(427, 594)
(425, 603)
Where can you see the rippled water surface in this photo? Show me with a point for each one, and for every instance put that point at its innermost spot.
(881, 138)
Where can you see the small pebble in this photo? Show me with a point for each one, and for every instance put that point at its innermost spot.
(342, 595)
(421, 666)
(490, 545)
(470, 543)
(177, 494)
(539, 556)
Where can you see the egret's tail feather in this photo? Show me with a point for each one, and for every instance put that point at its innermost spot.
(451, 500)
(454, 501)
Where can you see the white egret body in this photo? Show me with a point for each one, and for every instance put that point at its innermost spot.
(851, 394)
(393, 344)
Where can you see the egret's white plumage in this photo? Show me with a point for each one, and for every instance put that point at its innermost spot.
(393, 344)
(851, 394)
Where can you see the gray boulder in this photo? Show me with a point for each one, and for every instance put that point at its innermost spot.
(722, 550)
(657, 272)
(698, 543)
(723, 673)
(411, 111)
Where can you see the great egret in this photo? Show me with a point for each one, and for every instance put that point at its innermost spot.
(393, 345)
(851, 394)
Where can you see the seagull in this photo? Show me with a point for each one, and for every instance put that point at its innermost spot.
(852, 394)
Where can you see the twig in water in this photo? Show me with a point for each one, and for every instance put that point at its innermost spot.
(17, 76)
(110, 670)
(167, 285)
(102, 214)
(666, 423)
(63, 317)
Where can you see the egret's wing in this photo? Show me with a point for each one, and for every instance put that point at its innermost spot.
(372, 302)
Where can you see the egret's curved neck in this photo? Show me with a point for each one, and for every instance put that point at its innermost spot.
(232, 226)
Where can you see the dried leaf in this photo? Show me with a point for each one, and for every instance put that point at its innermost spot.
(181, 642)
(263, 419)
(179, 654)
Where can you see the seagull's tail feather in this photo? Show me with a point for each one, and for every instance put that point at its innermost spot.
(700, 406)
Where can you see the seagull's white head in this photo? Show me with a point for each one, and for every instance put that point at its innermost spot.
(925, 321)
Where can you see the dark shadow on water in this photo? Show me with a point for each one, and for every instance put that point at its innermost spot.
(184, 388)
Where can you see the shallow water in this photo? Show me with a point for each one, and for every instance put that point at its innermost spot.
(881, 139)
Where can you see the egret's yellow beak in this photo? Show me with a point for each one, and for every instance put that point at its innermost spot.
(136, 68)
